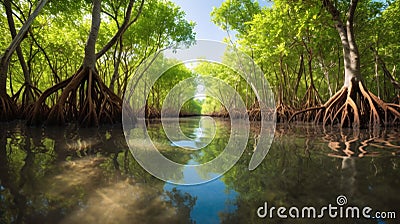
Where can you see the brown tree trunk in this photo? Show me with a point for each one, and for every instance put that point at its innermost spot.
(90, 49)
(29, 92)
(3, 77)
(117, 62)
(121, 30)
(13, 31)
(5, 59)
(8, 107)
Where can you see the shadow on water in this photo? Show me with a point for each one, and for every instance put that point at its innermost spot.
(72, 175)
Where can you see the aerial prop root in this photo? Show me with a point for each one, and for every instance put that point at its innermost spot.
(40, 110)
(29, 96)
(355, 105)
(8, 108)
(85, 99)
(284, 112)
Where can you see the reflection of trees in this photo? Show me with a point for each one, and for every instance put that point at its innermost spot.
(163, 144)
(9, 191)
(297, 171)
(69, 175)
(48, 174)
(148, 149)
(215, 148)
(184, 203)
(20, 156)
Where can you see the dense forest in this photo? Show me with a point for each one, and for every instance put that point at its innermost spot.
(327, 61)
(73, 58)
(66, 65)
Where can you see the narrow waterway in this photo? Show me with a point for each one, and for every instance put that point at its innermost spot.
(71, 175)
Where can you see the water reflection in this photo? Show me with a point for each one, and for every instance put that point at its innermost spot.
(300, 171)
(377, 142)
(73, 175)
(80, 176)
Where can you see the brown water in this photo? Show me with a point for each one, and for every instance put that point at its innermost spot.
(71, 175)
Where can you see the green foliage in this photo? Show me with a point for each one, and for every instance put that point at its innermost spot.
(176, 73)
(234, 14)
(54, 46)
(160, 24)
(387, 35)
(278, 37)
(192, 107)
(212, 105)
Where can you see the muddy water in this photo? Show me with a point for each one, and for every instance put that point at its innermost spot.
(71, 175)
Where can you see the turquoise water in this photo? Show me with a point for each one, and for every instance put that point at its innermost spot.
(72, 175)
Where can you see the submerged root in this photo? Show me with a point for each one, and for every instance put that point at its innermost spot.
(85, 99)
(355, 106)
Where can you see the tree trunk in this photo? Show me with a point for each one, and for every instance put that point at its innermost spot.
(117, 59)
(3, 77)
(5, 59)
(85, 98)
(125, 25)
(90, 49)
(346, 32)
(13, 31)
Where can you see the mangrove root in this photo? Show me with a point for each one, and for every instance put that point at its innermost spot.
(85, 99)
(29, 95)
(354, 106)
(8, 108)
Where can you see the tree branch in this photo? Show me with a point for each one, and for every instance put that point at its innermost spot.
(122, 29)
(328, 5)
(18, 39)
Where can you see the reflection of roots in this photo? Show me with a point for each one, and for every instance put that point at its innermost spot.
(353, 106)
(85, 99)
(353, 143)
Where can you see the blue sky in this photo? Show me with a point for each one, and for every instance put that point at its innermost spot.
(199, 12)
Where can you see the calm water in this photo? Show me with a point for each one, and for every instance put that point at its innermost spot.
(67, 175)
